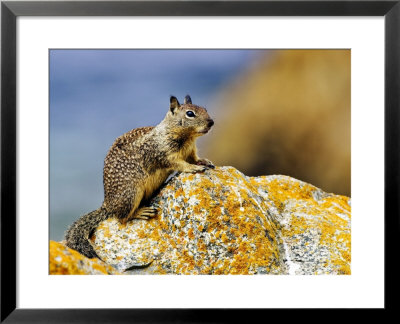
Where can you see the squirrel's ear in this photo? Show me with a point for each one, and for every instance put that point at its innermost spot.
(173, 103)
(187, 100)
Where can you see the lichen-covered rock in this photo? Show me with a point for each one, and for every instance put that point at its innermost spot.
(223, 222)
(65, 261)
(314, 225)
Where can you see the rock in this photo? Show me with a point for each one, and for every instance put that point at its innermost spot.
(64, 260)
(223, 222)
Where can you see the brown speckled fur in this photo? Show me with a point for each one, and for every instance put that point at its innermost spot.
(138, 163)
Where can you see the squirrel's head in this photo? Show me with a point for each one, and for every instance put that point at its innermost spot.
(189, 117)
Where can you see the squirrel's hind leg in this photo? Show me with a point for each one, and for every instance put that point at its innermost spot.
(136, 212)
(141, 213)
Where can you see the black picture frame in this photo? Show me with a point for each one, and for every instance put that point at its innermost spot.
(10, 10)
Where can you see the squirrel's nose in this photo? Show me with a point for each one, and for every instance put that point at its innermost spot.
(210, 122)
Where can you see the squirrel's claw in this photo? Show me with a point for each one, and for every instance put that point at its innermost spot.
(206, 163)
(146, 213)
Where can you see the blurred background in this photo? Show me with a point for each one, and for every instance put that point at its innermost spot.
(275, 112)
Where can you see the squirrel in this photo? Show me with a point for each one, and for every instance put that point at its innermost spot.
(138, 163)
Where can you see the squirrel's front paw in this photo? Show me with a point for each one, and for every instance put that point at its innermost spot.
(196, 168)
(206, 163)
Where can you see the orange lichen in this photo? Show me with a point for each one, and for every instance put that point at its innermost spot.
(65, 261)
(190, 234)
(178, 193)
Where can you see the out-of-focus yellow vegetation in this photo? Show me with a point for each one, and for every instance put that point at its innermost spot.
(288, 114)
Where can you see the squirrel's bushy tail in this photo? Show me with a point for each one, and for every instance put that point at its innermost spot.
(78, 234)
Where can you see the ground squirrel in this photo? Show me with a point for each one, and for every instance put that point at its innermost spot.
(138, 163)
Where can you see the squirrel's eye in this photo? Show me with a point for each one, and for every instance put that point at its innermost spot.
(190, 113)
